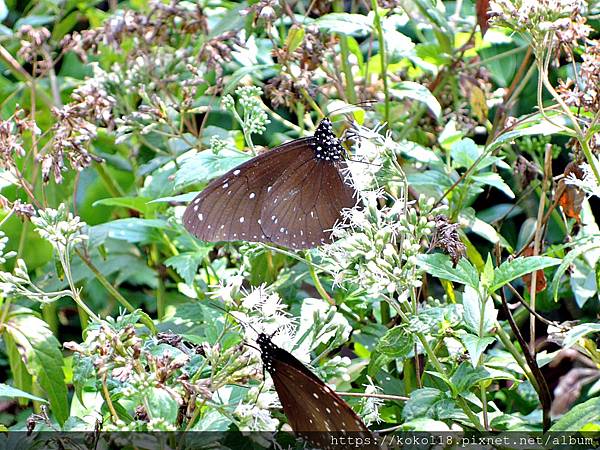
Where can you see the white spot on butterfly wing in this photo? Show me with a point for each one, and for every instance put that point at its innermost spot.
(315, 395)
(242, 219)
(252, 195)
(200, 217)
(236, 172)
(225, 185)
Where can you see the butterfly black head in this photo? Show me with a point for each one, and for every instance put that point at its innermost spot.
(325, 144)
(267, 350)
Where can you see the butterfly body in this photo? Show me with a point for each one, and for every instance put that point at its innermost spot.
(292, 195)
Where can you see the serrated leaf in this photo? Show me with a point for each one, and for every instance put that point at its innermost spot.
(510, 270)
(475, 345)
(396, 343)
(440, 266)
(418, 92)
(186, 264)
(579, 416)
(472, 312)
(420, 403)
(467, 376)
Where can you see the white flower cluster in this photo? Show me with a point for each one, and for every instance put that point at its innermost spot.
(60, 227)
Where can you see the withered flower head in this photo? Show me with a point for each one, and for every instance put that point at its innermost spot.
(446, 237)
(35, 48)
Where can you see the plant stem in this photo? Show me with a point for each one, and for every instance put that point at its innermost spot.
(111, 289)
(438, 366)
(350, 92)
(313, 274)
(382, 58)
(113, 188)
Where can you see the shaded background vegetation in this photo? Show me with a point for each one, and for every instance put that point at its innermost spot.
(122, 111)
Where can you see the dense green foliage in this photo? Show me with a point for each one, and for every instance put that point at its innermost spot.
(463, 295)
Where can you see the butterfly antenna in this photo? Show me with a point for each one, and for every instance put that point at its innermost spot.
(363, 162)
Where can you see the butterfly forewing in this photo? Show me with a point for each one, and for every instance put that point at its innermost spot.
(304, 217)
(292, 196)
(312, 408)
(229, 208)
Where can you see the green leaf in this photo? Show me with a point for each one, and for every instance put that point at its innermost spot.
(475, 345)
(567, 261)
(207, 165)
(472, 312)
(136, 203)
(418, 152)
(344, 23)
(495, 180)
(536, 125)
(579, 331)
(43, 359)
(467, 376)
(420, 403)
(418, 92)
(440, 266)
(464, 153)
(11, 392)
(579, 416)
(161, 405)
(510, 270)
(132, 230)
(396, 343)
(294, 38)
(186, 264)
(22, 379)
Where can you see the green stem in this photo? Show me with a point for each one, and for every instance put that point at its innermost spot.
(320, 289)
(383, 59)
(113, 188)
(338, 6)
(111, 289)
(438, 366)
(66, 264)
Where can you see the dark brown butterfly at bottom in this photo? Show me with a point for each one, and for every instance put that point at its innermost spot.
(292, 196)
(313, 409)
